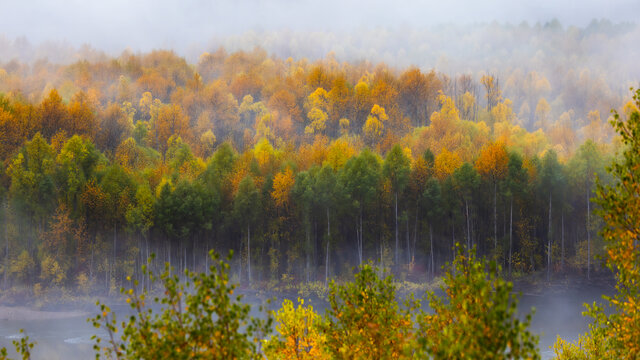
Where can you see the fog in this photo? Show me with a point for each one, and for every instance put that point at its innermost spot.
(567, 41)
(557, 313)
(147, 24)
(453, 37)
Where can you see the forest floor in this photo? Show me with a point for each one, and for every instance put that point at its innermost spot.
(13, 313)
(21, 303)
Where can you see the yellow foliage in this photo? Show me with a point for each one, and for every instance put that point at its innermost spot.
(338, 153)
(318, 121)
(374, 126)
(503, 112)
(542, 113)
(298, 336)
(282, 184)
(446, 163)
(264, 152)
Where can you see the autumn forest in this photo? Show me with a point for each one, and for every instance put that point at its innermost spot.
(304, 169)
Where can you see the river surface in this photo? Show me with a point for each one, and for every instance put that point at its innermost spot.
(558, 312)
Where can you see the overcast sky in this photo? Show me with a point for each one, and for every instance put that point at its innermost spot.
(113, 25)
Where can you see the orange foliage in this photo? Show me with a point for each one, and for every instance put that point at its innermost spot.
(170, 121)
(493, 161)
(312, 154)
(282, 184)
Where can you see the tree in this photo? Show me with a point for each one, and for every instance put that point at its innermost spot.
(327, 193)
(396, 168)
(515, 184)
(318, 107)
(32, 182)
(479, 320)
(76, 165)
(364, 321)
(583, 168)
(305, 196)
(282, 184)
(432, 202)
(115, 126)
(466, 181)
(492, 88)
(299, 335)
(140, 218)
(415, 93)
(170, 121)
(542, 113)
(200, 319)
(186, 210)
(82, 116)
(374, 126)
(54, 114)
(551, 183)
(119, 190)
(615, 334)
(492, 165)
(359, 178)
(245, 208)
(445, 164)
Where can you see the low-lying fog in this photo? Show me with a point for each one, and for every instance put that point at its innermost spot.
(67, 335)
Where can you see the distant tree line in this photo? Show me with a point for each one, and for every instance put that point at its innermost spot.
(308, 176)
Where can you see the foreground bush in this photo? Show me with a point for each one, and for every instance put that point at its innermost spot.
(364, 320)
(198, 319)
(478, 318)
(616, 335)
(201, 319)
(299, 335)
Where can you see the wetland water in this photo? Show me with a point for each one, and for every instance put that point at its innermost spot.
(67, 335)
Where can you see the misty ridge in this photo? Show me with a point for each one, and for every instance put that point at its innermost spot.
(578, 65)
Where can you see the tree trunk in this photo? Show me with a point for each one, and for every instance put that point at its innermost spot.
(326, 263)
(415, 230)
(93, 245)
(466, 204)
(115, 243)
(549, 243)
(432, 259)
(495, 214)
(588, 237)
(397, 229)
(361, 237)
(562, 251)
(249, 253)
(408, 242)
(358, 240)
(510, 234)
(307, 254)
(6, 247)
(453, 237)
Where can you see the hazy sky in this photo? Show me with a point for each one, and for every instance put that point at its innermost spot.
(145, 24)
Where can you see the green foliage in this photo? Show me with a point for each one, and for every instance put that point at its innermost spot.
(186, 210)
(466, 180)
(23, 348)
(595, 344)
(246, 202)
(364, 320)
(479, 321)
(32, 184)
(396, 168)
(198, 319)
(360, 177)
(616, 335)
